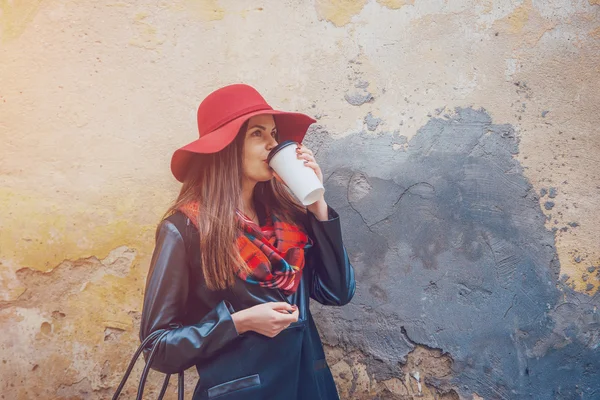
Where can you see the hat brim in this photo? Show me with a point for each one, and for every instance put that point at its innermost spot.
(290, 126)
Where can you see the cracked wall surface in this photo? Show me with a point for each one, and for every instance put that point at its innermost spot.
(460, 144)
(451, 252)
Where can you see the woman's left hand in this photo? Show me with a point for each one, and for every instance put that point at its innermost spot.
(318, 208)
(304, 153)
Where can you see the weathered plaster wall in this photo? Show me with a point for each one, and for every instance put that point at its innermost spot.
(460, 140)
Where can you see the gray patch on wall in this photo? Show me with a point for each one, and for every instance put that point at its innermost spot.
(358, 98)
(450, 250)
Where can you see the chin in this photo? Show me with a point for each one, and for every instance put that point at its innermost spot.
(268, 178)
(268, 175)
(262, 177)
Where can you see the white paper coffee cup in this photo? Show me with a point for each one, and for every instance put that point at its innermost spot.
(302, 180)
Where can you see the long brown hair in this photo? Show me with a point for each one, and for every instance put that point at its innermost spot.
(215, 182)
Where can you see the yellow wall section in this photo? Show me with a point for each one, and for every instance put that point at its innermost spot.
(395, 4)
(339, 12)
(40, 234)
(15, 15)
(207, 10)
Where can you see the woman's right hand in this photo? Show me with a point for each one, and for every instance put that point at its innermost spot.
(267, 319)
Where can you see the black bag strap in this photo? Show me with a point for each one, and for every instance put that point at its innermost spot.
(154, 337)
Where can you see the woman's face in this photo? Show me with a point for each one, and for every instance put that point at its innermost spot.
(258, 142)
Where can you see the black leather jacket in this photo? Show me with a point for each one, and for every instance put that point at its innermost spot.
(248, 366)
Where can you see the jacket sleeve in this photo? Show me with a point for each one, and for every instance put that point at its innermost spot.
(332, 274)
(165, 299)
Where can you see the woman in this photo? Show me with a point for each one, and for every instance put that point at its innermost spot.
(237, 259)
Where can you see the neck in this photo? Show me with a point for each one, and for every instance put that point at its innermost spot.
(247, 190)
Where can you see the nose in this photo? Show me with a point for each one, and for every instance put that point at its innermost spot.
(271, 144)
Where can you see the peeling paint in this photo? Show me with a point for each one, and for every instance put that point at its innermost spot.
(519, 17)
(45, 236)
(147, 36)
(15, 16)
(351, 371)
(488, 6)
(575, 258)
(63, 322)
(526, 23)
(372, 122)
(447, 230)
(358, 98)
(395, 4)
(338, 12)
(207, 10)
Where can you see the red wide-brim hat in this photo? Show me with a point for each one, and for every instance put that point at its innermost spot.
(220, 117)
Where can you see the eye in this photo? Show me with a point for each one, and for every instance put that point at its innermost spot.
(256, 133)
(274, 134)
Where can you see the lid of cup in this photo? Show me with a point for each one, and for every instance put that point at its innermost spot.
(278, 148)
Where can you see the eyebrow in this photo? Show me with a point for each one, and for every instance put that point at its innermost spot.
(262, 127)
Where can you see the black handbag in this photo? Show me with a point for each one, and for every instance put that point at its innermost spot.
(158, 335)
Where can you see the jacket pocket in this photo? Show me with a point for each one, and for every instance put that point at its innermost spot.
(232, 386)
(294, 325)
(254, 354)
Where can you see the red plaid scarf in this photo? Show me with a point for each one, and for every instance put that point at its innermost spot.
(274, 252)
